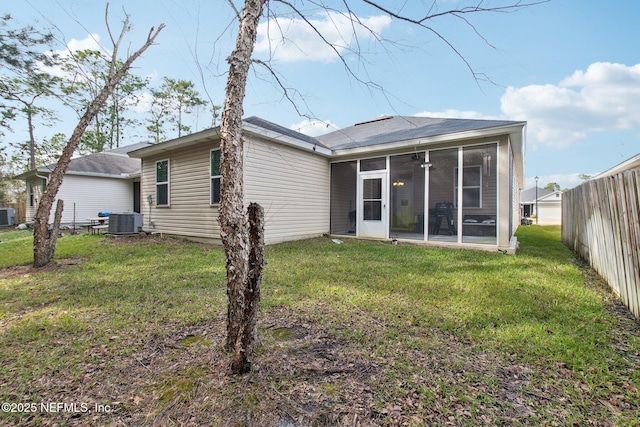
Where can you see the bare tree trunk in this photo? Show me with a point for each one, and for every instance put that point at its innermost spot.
(249, 323)
(32, 139)
(42, 255)
(233, 220)
(48, 246)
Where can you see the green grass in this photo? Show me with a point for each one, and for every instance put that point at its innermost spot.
(534, 303)
(446, 328)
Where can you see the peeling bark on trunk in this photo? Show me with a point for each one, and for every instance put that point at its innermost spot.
(41, 244)
(233, 219)
(48, 245)
(241, 362)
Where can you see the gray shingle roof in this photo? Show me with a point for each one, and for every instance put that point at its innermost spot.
(401, 128)
(257, 121)
(111, 162)
(127, 148)
(114, 163)
(529, 195)
(104, 164)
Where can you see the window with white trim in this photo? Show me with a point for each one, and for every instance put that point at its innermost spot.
(31, 192)
(162, 183)
(216, 177)
(471, 187)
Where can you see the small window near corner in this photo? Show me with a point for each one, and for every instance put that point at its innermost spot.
(162, 183)
(32, 196)
(215, 177)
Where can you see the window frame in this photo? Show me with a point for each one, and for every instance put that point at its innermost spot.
(31, 194)
(213, 177)
(467, 187)
(163, 183)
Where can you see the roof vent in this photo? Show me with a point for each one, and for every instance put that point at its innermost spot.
(379, 119)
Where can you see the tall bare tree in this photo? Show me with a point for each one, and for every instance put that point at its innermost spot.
(243, 296)
(244, 259)
(44, 240)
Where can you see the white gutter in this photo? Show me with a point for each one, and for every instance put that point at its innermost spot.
(185, 141)
(214, 134)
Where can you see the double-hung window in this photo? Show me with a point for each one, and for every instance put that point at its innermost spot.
(162, 183)
(215, 177)
(32, 196)
(471, 187)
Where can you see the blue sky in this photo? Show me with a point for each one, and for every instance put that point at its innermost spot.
(570, 68)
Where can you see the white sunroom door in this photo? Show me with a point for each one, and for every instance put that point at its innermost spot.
(372, 215)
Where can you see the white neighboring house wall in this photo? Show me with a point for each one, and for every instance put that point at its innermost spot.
(91, 194)
(550, 209)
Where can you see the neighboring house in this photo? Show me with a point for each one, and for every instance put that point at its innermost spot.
(550, 209)
(448, 182)
(630, 163)
(108, 181)
(549, 205)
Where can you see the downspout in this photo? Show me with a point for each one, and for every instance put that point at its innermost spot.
(45, 179)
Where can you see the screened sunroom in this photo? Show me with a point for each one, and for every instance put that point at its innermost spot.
(440, 195)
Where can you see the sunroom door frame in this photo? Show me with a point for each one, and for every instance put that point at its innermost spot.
(372, 226)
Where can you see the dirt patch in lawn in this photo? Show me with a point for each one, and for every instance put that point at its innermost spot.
(30, 270)
(305, 374)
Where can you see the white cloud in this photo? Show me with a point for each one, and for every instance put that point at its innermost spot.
(92, 41)
(314, 127)
(605, 97)
(293, 39)
(145, 100)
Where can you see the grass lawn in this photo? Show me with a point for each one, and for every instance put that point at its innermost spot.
(130, 332)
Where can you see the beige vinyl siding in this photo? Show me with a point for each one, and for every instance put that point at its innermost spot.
(515, 193)
(293, 187)
(189, 213)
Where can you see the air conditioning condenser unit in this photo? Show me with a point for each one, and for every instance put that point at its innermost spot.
(125, 223)
(7, 216)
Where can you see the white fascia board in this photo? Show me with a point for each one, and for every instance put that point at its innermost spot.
(213, 134)
(104, 175)
(286, 140)
(551, 197)
(40, 172)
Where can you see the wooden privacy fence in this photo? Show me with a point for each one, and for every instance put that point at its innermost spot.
(601, 222)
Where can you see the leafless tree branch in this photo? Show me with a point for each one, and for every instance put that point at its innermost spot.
(286, 91)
